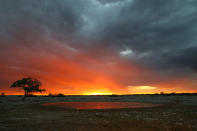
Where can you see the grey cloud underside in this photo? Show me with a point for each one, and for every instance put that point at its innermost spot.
(159, 29)
(161, 33)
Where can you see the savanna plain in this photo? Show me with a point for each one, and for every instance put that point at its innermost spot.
(171, 113)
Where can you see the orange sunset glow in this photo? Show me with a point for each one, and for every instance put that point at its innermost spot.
(82, 74)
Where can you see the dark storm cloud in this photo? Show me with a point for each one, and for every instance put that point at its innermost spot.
(160, 34)
(184, 58)
(155, 30)
(28, 19)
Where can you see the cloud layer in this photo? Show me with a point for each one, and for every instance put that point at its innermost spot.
(99, 45)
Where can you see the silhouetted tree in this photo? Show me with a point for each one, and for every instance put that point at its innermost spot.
(60, 95)
(2, 94)
(50, 94)
(29, 85)
(162, 93)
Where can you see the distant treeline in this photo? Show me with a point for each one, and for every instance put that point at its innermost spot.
(55, 95)
(113, 95)
(179, 94)
(165, 94)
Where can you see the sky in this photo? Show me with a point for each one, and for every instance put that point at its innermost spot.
(84, 47)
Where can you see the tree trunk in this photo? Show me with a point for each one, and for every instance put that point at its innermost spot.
(26, 93)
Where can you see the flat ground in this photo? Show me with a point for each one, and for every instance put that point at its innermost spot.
(173, 115)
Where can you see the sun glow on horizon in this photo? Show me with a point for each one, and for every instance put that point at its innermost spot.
(143, 89)
(97, 93)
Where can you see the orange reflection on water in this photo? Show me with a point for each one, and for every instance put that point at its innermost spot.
(99, 105)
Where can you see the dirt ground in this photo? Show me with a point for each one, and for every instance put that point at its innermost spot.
(170, 117)
(175, 114)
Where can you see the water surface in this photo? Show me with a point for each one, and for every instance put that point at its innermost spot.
(99, 105)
